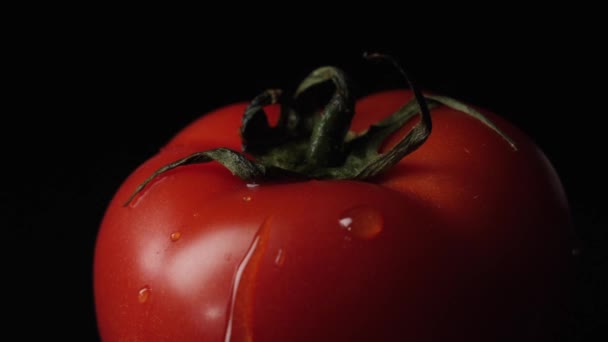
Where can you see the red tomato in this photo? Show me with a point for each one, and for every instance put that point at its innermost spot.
(464, 239)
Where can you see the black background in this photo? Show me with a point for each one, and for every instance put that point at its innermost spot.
(91, 106)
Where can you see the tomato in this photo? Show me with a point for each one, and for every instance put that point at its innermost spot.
(464, 239)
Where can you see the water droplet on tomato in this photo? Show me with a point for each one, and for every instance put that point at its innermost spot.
(247, 198)
(279, 260)
(175, 236)
(362, 222)
(252, 185)
(240, 316)
(144, 294)
(346, 222)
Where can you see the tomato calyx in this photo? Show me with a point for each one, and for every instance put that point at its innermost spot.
(309, 142)
(316, 143)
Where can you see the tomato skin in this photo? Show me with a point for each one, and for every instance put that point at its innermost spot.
(465, 238)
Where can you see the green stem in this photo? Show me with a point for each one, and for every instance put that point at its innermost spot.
(232, 160)
(326, 147)
(256, 133)
(414, 139)
(308, 144)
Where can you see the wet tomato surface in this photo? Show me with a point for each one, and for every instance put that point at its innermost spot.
(466, 238)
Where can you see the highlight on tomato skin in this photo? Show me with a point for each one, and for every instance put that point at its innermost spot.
(466, 238)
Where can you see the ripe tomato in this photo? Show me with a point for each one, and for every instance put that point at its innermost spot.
(465, 239)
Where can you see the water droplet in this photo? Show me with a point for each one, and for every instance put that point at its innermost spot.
(240, 320)
(247, 198)
(252, 185)
(144, 294)
(362, 222)
(279, 260)
(175, 236)
(346, 222)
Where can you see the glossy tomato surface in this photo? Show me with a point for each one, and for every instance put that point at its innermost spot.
(464, 239)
